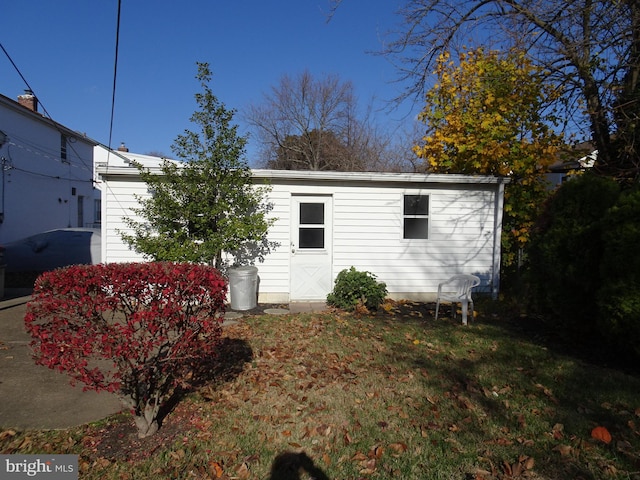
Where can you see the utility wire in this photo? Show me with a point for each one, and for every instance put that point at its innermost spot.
(55, 124)
(21, 76)
(115, 75)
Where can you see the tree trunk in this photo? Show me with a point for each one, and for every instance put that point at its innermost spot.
(147, 423)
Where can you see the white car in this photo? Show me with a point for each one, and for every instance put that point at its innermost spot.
(53, 249)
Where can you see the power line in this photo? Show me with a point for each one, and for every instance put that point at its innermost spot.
(21, 76)
(56, 125)
(115, 75)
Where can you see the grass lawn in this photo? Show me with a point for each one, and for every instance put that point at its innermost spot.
(393, 395)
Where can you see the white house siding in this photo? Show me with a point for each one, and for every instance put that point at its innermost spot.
(118, 200)
(367, 234)
(40, 190)
(274, 272)
(464, 227)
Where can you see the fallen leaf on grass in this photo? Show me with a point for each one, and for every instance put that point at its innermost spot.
(564, 450)
(359, 457)
(399, 447)
(602, 434)
(216, 469)
(242, 471)
(557, 431)
(7, 433)
(376, 451)
(369, 467)
(547, 392)
(519, 467)
(480, 474)
(177, 455)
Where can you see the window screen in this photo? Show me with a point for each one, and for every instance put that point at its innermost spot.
(311, 213)
(311, 230)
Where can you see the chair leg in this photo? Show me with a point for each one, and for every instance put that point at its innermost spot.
(464, 303)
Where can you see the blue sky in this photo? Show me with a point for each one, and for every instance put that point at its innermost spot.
(65, 50)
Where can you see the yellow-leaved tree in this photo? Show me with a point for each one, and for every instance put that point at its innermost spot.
(488, 115)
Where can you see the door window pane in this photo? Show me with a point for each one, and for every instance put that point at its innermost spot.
(311, 238)
(311, 213)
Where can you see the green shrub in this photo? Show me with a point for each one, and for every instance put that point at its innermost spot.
(566, 251)
(619, 295)
(353, 288)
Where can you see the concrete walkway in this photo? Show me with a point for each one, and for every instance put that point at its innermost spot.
(33, 396)
(36, 397)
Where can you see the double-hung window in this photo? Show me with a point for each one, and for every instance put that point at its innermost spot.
(415, 217)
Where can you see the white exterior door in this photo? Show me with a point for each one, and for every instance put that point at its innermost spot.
(311, 238)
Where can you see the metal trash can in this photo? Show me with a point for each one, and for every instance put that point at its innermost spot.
(243, 286)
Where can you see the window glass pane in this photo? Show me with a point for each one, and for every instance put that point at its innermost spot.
(416, 205)
(416, 228)
(311, 213)
(311, 238)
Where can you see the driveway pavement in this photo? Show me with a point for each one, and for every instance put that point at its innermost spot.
(33, 396)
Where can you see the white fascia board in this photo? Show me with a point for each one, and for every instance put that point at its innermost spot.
(311, 176)
(153, 164)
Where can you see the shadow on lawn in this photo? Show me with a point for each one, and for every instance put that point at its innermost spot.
(522, 352)
(576, 344)
(290, 465)
(531, 328)
(233, 354)
(118, 440)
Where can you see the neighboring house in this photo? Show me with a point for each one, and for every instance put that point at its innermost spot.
(411, 230)
(576, 159)
(47, 173)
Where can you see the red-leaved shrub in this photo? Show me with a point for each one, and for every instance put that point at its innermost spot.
(138, 329)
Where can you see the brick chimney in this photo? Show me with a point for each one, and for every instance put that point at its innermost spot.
(123, 148)
(28, 100)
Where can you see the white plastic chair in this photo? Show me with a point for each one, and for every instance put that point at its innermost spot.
(457, 290)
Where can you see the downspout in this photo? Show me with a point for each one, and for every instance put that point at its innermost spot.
(497, 237)
(3, 161)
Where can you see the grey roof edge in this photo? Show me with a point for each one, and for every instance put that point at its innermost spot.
(332, 176)
(310, 175)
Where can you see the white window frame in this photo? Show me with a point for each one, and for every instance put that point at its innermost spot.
(426, 217)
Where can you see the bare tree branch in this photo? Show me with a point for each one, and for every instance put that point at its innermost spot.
(590, 49)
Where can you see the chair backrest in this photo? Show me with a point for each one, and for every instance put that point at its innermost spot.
(464, 284)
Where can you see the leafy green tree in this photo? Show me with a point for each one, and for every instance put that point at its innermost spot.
(486, 116)
(206, 204)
